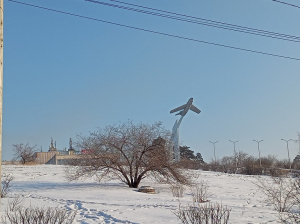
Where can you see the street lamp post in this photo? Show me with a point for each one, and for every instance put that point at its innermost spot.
(287, 148)
(214, 143)
(234, 145)
(258, 151)
(235, 154)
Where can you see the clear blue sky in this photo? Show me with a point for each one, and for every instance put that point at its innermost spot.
(65, 75)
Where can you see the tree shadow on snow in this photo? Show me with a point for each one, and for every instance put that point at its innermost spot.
(43, 185)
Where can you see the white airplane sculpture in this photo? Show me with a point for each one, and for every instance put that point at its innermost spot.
(175, 131)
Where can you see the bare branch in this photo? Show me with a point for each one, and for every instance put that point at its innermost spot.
(24, 152)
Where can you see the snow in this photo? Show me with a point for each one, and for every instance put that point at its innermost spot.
(114, 202)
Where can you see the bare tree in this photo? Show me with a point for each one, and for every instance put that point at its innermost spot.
(127, 152)
(268, 161)
(251, 166)
(284, 164)
(240, 156)
(227, 164)
(24, 152)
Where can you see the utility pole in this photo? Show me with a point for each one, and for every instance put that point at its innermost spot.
(1, 81)
(287, 148)
(258, 151)
(215, 150)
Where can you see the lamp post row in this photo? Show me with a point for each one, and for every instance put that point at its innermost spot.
(287, 147)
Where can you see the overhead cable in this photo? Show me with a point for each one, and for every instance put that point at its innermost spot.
(157, 32)
(199, 21)
(286, 3)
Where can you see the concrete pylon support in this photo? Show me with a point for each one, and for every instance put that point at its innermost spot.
(175, 139)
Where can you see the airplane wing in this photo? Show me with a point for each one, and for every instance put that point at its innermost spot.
(195, 109)
(178, 108)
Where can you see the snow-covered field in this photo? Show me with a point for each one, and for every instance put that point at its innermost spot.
(114, 202)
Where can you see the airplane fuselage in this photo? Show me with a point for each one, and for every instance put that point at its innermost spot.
(188, 106)
(185, 108)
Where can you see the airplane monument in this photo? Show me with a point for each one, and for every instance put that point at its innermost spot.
(175, 131)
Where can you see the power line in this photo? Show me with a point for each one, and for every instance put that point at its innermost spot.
(157, 32)
(229, 24)
(199, 21)
(286, 3)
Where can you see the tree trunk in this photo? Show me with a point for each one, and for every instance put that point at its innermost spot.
(134, 184)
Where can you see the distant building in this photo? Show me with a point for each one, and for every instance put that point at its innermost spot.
(44, 157)
(55, 156)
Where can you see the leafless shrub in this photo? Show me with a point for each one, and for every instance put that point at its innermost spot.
(251, 166)
(280, 192)
(193, 164)
(6, 185)
(229, 164)
(268, 161)
(285, 164)
(205, 167)
(214, 165)
(293, 215)
(15, 204)
(290, 217)
(243, 163)
(177, 190)
(296, 165)
(284, 194)
(200, 192)
(203, 214)
(129, 153)
(16, 213)
(277, 172)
